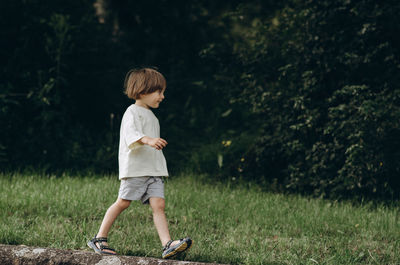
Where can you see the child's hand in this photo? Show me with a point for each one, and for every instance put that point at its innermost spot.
(157, 143)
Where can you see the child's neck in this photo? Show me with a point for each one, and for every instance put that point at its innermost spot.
(141, 104)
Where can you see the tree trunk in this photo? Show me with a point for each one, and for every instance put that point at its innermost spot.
(18, 255)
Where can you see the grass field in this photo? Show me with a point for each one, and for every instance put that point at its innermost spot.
(229, 225)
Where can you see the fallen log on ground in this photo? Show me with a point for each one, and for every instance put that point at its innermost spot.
(21, 255)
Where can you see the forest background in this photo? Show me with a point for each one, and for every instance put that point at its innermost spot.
(294, 96)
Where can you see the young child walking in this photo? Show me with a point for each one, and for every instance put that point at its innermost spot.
(141, 162)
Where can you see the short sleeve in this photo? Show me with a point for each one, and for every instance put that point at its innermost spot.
(132, 129)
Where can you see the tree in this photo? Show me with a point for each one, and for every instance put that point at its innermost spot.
(322, 78)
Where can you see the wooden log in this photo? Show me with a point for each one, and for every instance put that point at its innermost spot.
(25, 255)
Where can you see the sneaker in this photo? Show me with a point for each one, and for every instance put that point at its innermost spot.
(183, 245)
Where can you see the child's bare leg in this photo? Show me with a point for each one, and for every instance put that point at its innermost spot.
(110, 216)
(160, 221)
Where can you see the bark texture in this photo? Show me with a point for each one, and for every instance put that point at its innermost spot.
(18, 255)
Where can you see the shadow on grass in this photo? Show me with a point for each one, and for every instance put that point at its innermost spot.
(135, 253)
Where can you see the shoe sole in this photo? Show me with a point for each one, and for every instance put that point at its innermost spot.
(184, 247)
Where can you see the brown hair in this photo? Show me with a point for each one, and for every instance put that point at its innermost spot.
(143, 81)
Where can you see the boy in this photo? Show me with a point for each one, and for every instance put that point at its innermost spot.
(141, 162)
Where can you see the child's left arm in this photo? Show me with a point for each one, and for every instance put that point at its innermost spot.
(157, 143)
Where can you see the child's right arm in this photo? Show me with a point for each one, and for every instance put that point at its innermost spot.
(157, 143)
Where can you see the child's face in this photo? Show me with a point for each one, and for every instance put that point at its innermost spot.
(152, 100)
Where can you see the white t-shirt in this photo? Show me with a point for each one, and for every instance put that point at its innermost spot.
(136, 159)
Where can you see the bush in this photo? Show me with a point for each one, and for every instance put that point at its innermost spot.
(324, 77)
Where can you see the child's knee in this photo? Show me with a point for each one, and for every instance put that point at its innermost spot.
(157, 204)
(123, 204)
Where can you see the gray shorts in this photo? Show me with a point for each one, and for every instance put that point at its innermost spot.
(141, 188)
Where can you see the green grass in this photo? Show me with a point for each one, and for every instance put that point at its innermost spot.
(229, 225)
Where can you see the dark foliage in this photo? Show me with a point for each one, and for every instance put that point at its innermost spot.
(294, 95)
(322, 78)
